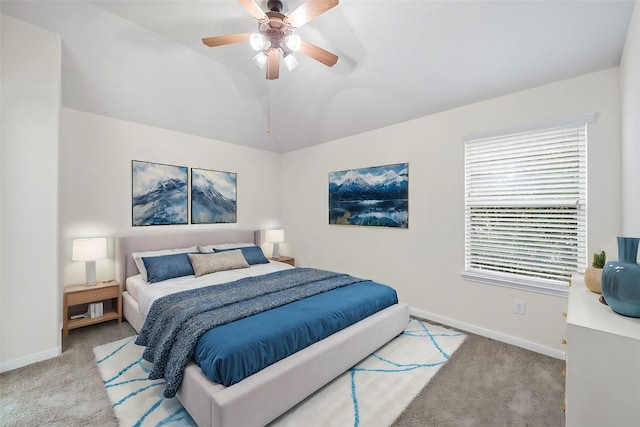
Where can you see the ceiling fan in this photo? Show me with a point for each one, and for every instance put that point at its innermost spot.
(276, 36)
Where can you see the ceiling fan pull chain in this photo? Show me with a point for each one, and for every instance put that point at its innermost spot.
(268, 109)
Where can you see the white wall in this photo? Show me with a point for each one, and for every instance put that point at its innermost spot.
(630, 97)
(95, 180)
(424, 262)
(29, 285)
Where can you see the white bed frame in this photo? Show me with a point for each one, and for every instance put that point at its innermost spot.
(264, 396)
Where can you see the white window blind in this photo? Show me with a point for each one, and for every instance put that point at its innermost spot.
(525, 205)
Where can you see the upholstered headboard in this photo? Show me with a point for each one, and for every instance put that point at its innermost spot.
(125, 245)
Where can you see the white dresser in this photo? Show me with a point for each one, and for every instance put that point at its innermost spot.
(603, 363)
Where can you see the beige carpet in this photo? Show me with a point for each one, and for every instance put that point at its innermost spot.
(65, 391)
(488, 383)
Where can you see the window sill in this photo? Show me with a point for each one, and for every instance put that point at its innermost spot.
(524, 285)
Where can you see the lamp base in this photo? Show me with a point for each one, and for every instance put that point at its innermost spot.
(276, 250)
(91, 273)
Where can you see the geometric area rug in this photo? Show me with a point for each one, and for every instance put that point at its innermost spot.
(372, 393)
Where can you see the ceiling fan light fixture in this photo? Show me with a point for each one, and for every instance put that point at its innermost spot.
(293, 42)
(275, 36)
(260, 59)
(257, 41)
(290, 61)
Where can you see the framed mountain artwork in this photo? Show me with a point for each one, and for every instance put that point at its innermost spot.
(158, 194)
(213, 196)
(375, 196)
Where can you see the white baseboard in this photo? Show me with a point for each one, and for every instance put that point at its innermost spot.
(28, 360)
(499, 336)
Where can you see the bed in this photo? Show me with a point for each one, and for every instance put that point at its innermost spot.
(277, 388)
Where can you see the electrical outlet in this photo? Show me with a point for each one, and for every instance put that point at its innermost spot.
(518, 306)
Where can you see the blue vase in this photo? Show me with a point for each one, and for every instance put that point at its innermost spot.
(621, 279)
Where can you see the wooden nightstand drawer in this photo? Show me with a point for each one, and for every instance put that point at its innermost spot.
(91, 295)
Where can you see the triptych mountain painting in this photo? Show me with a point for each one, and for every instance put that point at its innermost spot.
(160, 195)
(375, 196)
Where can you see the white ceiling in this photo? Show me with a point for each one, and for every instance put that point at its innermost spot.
(144, 61)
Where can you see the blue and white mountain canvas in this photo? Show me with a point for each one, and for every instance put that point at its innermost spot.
(213, 196)
(159, 193)
(376, 196)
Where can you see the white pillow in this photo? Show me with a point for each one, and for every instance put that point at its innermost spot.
(210, 248)
(137, 257)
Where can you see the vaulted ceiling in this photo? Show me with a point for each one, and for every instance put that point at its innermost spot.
(144, 61)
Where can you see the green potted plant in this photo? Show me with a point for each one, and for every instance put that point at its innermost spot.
(593, 274)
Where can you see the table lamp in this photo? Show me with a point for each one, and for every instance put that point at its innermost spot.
(89, 250)
(275, 237)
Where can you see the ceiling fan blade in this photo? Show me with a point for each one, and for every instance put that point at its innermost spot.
(309, 10)
(273, 64)
(253, 9)
(318, 53)
(228, 39)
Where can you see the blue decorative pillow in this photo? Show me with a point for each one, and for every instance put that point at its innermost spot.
(165, 267)
(252, 254)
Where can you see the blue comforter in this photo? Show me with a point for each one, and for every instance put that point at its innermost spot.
(176, 322)
(229, 353)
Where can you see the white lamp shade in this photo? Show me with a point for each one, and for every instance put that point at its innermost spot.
(89, 249)
(257, 41)
(260, 59)
(274, 236)
(293, 42)
(290, 61)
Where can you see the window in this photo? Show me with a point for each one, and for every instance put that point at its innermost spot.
(525, 205)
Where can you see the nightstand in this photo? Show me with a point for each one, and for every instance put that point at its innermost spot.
(286, 259)
(78, 297)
